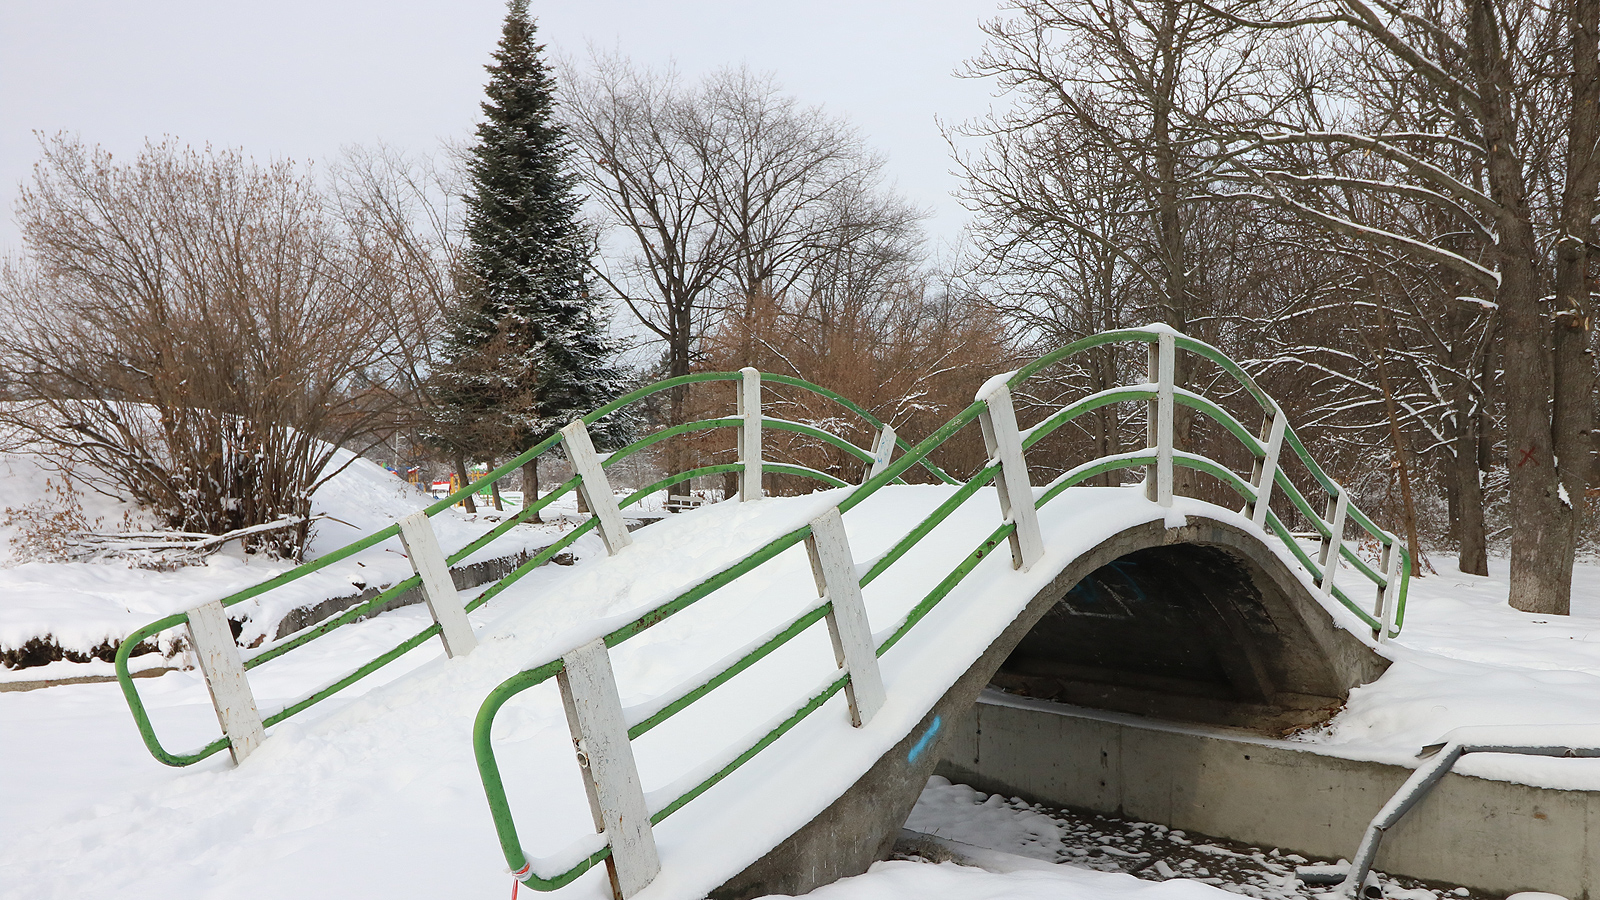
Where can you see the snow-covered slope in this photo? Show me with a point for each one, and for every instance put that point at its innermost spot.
(82, 606)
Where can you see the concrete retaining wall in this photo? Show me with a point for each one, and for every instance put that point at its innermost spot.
(1493, 836)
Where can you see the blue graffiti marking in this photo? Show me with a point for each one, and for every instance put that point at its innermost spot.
(926, 740)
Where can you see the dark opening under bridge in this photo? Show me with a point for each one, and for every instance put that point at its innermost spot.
(762, 757)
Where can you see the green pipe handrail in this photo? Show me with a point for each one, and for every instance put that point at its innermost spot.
(362, 610)
(529, 873)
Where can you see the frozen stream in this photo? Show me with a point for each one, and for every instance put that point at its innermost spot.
(966, 818)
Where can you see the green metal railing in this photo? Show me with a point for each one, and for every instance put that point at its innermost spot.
(292, 642)
(552, 874)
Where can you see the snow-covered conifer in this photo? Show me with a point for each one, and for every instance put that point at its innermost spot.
(528, 351)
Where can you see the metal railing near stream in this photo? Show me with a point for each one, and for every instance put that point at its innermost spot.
(603, 730)
(226, 669)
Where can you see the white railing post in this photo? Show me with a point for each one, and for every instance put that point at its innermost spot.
(1266, 470)
(610, 774)
(595, 487)
(1158, 425)
(834, 568)
(1386, 601)
(438, 588)
(882, 451)
(749, 409)
(1004, 443)
(223, 669)
(1333, 544)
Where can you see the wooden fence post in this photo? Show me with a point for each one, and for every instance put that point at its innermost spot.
(595, 487)
(223, 669)
(438, 587)
(749, 409)
(1004, 442)
(610, 774)
(1333, 545)
(834, 568)
(1158, 424)
(1266, 470)
(882, 451)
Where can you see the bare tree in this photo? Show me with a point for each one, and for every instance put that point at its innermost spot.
(1510, 161)
(196, 327)
(723, 194)
(654, 194)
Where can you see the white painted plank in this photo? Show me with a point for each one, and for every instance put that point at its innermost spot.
(596, 488)
(223, 669)
(749, 409)
(610, 774)
(882, 451)
(1332, 545)
(835, 570)
(1388, 596)
(1267, 477)
(1152, 416)
(1004, 442)
(438, 588)
(1165, 366)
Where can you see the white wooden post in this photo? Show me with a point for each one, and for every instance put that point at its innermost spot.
(1387, 600)
(882, 451)
(223, 669)
(595, 487)
(1334, 543)
(1004, 442)
(1266, 470)
(834, 568)
(1163, 356)
(610, 774)
(749, 409)
(438, 588)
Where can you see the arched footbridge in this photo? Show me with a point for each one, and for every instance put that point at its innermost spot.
(766, 685)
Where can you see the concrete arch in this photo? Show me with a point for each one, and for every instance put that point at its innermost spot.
(1238, 639)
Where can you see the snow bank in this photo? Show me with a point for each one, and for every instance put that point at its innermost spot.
(84, 606)
(1466, 658)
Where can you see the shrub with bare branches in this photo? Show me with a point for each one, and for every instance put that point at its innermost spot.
(196, 326)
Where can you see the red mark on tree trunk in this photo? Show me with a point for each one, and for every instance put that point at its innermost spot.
(1527, 456)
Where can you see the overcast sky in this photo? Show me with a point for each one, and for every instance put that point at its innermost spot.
(303, 78)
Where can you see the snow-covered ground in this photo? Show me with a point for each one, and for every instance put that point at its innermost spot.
(1465, 657)
(375, 792)
(82, 606)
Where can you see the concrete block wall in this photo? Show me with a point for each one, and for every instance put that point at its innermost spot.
(1492, 836)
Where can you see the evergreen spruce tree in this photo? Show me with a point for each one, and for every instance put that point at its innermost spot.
(528, 351)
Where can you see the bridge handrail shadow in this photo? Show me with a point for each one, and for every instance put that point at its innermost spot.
(300, 638)
(1006, 444)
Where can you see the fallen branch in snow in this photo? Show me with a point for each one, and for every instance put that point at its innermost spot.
(165, 547)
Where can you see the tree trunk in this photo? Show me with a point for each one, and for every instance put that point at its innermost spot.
(1541, 561)
(1401, 462)
(530, 486)
(1572, 363)
(1466, 487)
(461, 470)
